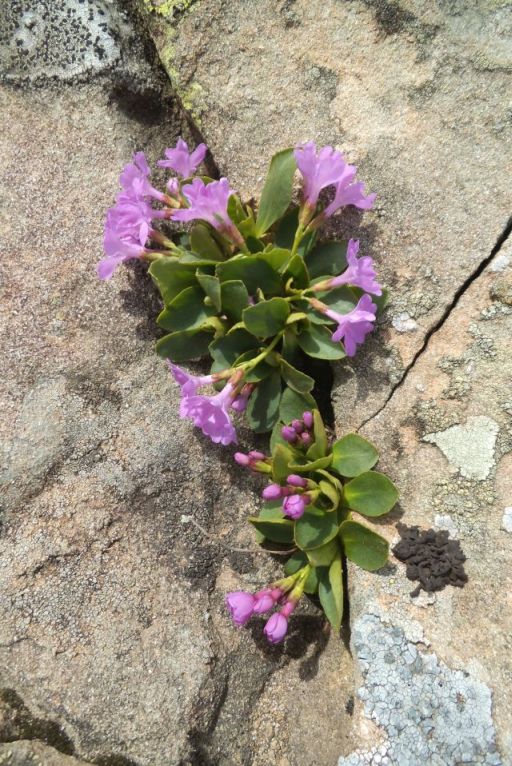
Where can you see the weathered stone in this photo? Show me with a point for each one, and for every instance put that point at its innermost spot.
(34, 753)
(412, 91)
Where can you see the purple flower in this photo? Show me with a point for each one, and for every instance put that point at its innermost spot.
(276, 628)
(189, 383)
(210, 414)
(348, 193)
(294, 480)
(242, 459)
(134, 178)
(130, 217)
(295, 505)
(355, 326)
(272, 492)
(318, 171)
(242, 400)
(241, 606)
(117, 250)
(360, 272)
(306, 439)
(183, 162)
(208, 202)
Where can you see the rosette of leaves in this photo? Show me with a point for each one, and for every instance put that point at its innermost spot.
(233, 303)
(347, 488)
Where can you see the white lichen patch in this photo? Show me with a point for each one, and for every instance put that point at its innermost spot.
(506, 522)
(469, 448)
(430, 713)
(404, 322)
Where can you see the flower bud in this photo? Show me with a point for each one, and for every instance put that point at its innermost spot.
(307, 418)
(296, 481)
(298, 426)
(276, 628)
(295, 505)
(241, 459)
(264, 601)
(306, 439)
(241, 606)
(272, 492)
(255, 455)
(288, 433)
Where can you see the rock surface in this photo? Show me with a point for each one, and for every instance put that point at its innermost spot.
(114, 644)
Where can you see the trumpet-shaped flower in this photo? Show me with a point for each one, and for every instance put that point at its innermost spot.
(241, 606)
(117, 250)
(189, 383)
(181, 160)
(349, 193)
(134, 178)
(318, 170)
(295, 505)
(208, 202)
(360, 272)
(354, 326)
(211, 414)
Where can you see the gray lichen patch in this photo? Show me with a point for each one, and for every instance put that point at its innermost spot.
(429, 713)
(41, 40)
(470, 447)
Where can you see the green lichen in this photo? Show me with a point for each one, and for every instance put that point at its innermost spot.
(168, 8)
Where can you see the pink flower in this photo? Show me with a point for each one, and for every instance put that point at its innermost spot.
(294, 480)
(295, 505)
(348, 193)
(266, 599)
(134, 178)
(210, 414)
(318, 171)
(188, 383)
(241, 606)
(130, 217)
(360, 272)
(272, 492)
(117, 250)
(289, 433)
(354, 326)
(276, 628)
(183, 162)
(208, 202)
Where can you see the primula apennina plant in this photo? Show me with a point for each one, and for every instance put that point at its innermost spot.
(254, 290)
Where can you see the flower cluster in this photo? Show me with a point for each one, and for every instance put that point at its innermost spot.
(256, 290)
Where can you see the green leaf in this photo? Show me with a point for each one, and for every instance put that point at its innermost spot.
(290, 348)
(186, 312)
(330, 592)
(171, 277)
(312, 465)
(235, 209)
(295, 379)
(281, 458)
(226, 350)
(278, 189)
(311, 584)
(185, 345)
(293, 405)
(327, 260)
(253, 271)
(342, 300)
(296, 269)
(315, 528)
(276, 257)
(267, 318)
(371, 494)
(323, 556)
(363, 546)
(331, 493)
(353, 455)
(211, 287)
(203, 243)
(234, 299)
(263, 408)
(321, 444)
(278, 530)
(285, 233)
(316, 342)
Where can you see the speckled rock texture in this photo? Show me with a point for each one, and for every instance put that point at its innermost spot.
(414, 92)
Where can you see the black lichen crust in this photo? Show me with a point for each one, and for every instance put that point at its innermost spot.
(431, 557)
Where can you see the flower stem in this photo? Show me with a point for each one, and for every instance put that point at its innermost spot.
(247, 366)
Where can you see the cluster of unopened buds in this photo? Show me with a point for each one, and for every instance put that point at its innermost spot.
(284, 594)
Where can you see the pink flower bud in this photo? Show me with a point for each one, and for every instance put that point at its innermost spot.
(306, 439)
(288, 433)
(241, 606)
(241, 459)
(296, 481)
(264, 601)
(307, 417)
(298, 426)
(276, 628)
(272, 492)
(255, 455)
